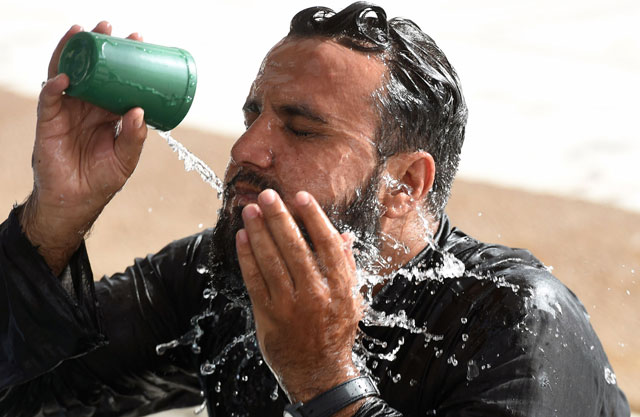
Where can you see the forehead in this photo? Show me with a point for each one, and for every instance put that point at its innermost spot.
(319, 70)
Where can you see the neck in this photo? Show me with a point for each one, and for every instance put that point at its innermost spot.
(406, 239)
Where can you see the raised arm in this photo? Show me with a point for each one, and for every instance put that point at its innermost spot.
(67, 347)
(82, 156)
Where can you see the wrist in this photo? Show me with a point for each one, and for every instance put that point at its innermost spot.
(56, 237)
(302, 388)
(342, 400)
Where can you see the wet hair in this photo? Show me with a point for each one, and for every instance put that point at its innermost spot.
(421, 105)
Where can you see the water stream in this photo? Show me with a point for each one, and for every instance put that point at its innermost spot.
(193, 163)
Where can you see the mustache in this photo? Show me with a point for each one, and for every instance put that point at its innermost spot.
(253, 178)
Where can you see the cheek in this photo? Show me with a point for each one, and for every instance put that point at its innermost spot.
(307, 170)
(330, 176)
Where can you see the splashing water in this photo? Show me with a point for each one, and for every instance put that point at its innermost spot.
(472, 370)
(193, 163)
(609, 376)
(366, 349)
(209, 367)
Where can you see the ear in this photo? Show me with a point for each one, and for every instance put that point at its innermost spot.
(413, 175)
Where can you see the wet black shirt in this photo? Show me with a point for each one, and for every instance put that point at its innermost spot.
(490, 333)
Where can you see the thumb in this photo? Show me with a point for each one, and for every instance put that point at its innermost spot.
(50, 101)
(128, 145)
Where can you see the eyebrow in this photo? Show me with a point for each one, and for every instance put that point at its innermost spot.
(292, 110)
(251, 106)
(302, 110)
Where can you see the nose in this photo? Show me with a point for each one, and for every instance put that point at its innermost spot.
(255, 146)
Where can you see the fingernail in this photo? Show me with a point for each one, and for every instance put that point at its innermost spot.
(302, 198)
(250, 212)
(241, 236)
(267, 197)
(140, 121)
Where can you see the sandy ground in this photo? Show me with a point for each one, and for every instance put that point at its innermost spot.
(594, 249)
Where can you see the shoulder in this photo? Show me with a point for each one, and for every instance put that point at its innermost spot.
(525, 329)
(512, 284)
(531, 282)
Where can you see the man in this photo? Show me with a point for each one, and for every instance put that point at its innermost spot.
(335, 194)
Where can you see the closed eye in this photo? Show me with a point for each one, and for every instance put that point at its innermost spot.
(251, 111)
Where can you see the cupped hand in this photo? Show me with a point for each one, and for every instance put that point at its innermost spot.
(305, 303)
(79, 162)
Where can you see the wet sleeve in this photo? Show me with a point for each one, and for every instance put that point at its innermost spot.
(542, 358)
(376, 407)
(92, 352)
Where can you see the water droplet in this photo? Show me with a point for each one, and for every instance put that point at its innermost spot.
(200, 226)
(452, 360)
(163, 347)
(609, 376)
(439, 353)
(472, 370)
(209, 293)
(544, 381)
(413, 382)
(207, 368)
(274, 394)
(201, 269)
(465, 337)
(200, 408)
(463, 320)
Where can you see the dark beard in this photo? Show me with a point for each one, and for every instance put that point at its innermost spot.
(360, 215)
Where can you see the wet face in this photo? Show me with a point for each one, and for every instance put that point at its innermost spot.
(310, 122)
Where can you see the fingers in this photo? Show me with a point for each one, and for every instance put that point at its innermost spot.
(327, 242)
(295, 252)
(280, 257)
(51, 97)
(129, 143)
(102, 27)
(253, 280)
(135, 36)
(266, 254)
(53, 64)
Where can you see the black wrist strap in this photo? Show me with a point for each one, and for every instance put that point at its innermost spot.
(330, 402)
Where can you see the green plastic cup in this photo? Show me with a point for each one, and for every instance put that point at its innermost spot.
(120, 74)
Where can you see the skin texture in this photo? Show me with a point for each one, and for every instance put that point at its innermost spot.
(78, 164)
(321, 88)
(310, 122)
